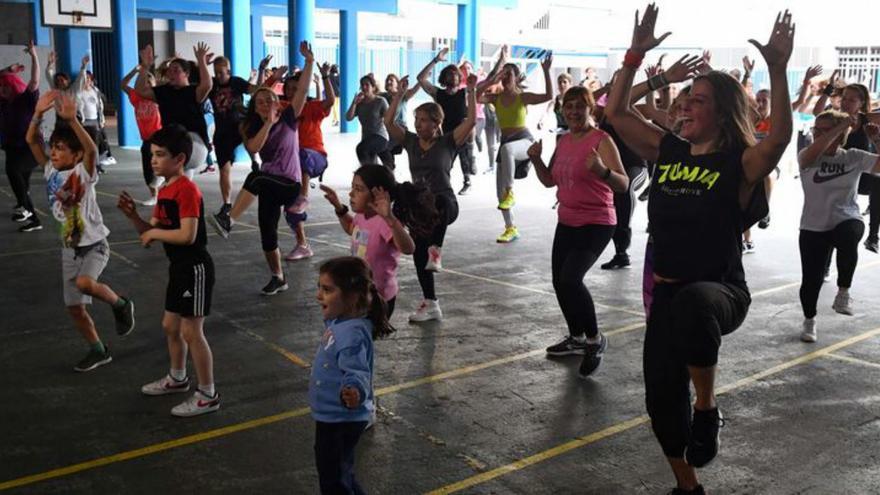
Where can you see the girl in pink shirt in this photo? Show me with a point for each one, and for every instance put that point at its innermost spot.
(586, 170)
(378, 230)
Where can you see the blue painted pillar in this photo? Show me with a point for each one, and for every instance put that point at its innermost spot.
(348, 65)
(257, 43)
(237, 36)
(71, 45)
(300, 27)
(126, 58)
(468, 43)
(42, 36)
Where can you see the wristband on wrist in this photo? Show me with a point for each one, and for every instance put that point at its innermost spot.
(829, 90)
(633, 59)
(657, 82)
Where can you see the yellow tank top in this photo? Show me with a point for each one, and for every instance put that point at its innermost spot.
(513, 116)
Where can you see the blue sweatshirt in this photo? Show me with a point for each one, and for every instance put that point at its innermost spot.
(344, 359)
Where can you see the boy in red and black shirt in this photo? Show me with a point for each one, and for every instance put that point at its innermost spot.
(178, 220)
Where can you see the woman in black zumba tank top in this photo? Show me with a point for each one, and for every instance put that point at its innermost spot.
(703, 182)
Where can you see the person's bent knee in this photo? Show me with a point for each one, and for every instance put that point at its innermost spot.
(250, 183)
(77, 311)
(86, 285)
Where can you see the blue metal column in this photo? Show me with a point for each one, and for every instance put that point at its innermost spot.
(237, 36)
(257, 43)
(125, 43)
(300, 27)
(41, 33)
(72, 45)
(468, 43)
(348, 65)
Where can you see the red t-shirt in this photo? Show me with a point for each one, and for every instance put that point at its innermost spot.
(310, 135)
(146, 113)
(176, 201)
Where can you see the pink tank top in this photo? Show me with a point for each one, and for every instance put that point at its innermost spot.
(584, 198)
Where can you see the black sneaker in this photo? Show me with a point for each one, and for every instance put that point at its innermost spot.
(124, 316)
(681, 491)
(21, 215)
(274, 286)
(567, 347)
(226, 208)
(764, 222)
(222, 223)
(593, 357)
(704, 442)
(618, 261)
(93, 359)
(32, 225)
(871, 244)
(465, 189)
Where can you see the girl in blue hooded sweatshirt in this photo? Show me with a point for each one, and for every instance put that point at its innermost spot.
(341, 385)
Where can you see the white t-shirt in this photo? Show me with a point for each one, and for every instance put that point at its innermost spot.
(830, 187)
(73, 202)
(88, 104)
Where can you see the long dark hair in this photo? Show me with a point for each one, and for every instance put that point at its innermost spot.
(412, 203)
(252, 120)
(353, 277)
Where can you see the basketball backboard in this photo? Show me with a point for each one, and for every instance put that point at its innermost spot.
(90, 14)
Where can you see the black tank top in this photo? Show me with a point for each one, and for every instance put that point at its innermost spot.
(454, 108)
(695, 215)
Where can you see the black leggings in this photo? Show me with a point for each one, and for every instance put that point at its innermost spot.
(373, 146)
(624, 205)
(447, 206)
(20, 162)
(466, 159)
(575, 249)
(685, 328)
(146, 164)
(870, 185)
(274, 193)
(816, 250)
(334, 456)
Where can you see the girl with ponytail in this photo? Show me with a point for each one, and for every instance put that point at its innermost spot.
(341, 386)
(378, 230)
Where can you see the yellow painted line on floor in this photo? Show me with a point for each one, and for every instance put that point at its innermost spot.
(638, 421)
(798, 284)
(125, 259)
(152, 449)
(296, 413)
(853, 360)
(280, 350)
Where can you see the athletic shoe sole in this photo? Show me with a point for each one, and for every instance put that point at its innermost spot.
(573, 352)
(218, 228)
(276, 291)
(133, 323)
(197, 412)
(165, 391)
(94, 365)
(31, 229)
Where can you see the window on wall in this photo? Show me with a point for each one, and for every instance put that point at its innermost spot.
(860, 64)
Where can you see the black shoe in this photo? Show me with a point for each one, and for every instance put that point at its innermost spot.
(704, 442)
(32, 225)
(465, 188)
(696, 491)
(222, 223)
(567, 347)
(618, 261)
(124, 316)
(21, 216)
(225, 209)
(593, 357)
(871, 244)
(645, 192)
(764, 222)
(274, 286)
(93, 359)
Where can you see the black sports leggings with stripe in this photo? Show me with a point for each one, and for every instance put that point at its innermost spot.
(624, 206)
(274, 192)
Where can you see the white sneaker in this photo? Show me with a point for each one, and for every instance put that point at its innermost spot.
(166, 385)
(808, 334)
(434, 263)
(300, 252)
(748, 247)
(428, 310)
(842, 303)
(110, 160)
(198, 404)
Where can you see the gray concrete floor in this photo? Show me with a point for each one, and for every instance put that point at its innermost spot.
(469, 404)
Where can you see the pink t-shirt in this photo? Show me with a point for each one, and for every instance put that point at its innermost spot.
(584, 198)
(372, 240)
